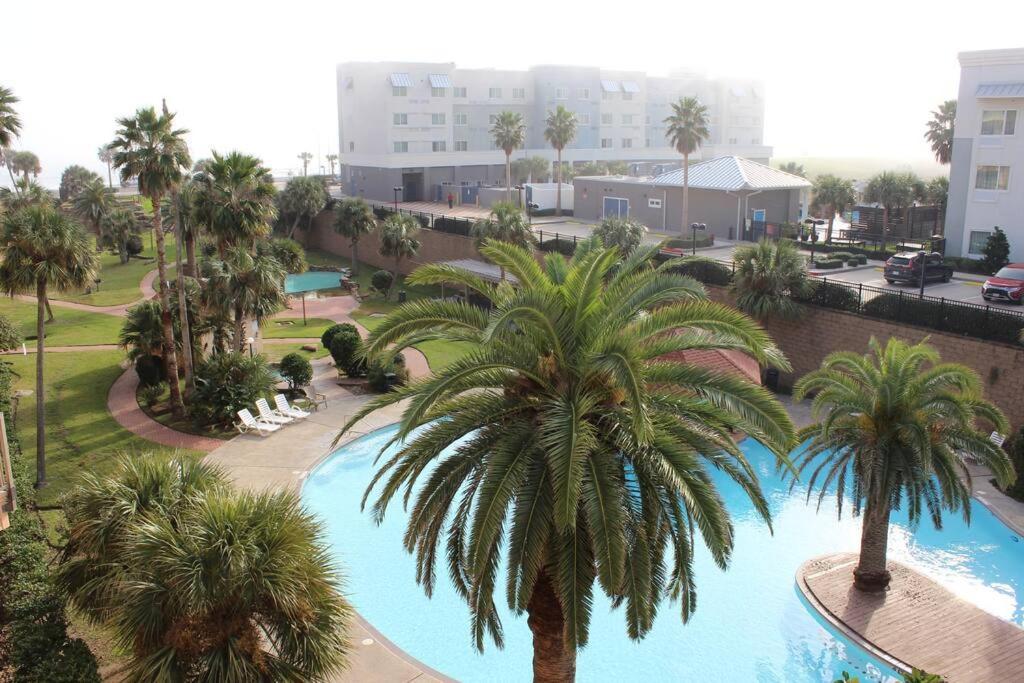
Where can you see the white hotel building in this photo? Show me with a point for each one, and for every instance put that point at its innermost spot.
(425, 127)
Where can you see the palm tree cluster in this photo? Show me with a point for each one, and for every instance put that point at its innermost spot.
(836, 194)
(767, 277)
(198, 582)
(893, 190)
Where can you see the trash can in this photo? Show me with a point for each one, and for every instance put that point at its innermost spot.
(401, 296)
(771, 379)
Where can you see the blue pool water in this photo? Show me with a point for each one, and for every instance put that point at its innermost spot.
(750, 624)
(311, 281)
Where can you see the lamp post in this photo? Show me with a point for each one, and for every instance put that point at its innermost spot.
(694, 227)
(530, 207)
(519, 188)
(924, 264)
(250, 341)
(397, 189)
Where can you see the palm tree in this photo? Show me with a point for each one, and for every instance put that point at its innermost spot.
(302, 199)
(332, 159)
(353, 218)
(251, 285)
(572, 442)
(43, 250)
(106, 155)
(398, 239)
(10, 123)
(94, 202)
(148, 147)
(560, 132)
(687, 129)
(509, 134)
(892, 191)
(937, 194)
(896, 424)
(234, 199)
(793, 168)
(25, 193)
(836, 193)
(505, 224)
(119, 225)
(142, 331)
(940, 131)
(305, 158)
(25, 163)
(767, 275)
(197, 582)
(625, 234)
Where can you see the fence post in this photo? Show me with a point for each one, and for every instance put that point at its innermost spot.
(942, 313)
(860, 296)
(574, 241)
(899, 307)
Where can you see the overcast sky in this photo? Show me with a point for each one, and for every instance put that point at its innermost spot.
(842, 79)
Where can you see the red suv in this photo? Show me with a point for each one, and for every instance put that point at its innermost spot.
(1006, 285)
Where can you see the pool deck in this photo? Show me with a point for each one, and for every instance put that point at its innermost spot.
(916, 623)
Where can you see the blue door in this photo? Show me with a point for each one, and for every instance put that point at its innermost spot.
(616, 207)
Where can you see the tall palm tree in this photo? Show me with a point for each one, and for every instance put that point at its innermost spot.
(26, 163)
(505, 224)
(94, 202)
(353, 218)
(106, 155)
(250, 284)
(398, 239)
(148, 147)
(568, 440)
(235, 199)
(937, 194)
(687, 129)
(767, 276)
(181, 215)
(891, 190)
(43, 250)
(836, 193)
(302, 199)
(940, 131)
(793, 168)
(119, 225)
(305, 158)
(896, 424)
(560, 132)
(332, 159)
(509, 134)
(199, 583)
(10, 122)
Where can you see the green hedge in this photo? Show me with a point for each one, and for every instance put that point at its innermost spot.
(967, 265)
(949, 316)
(705, 270)
(830, 295)
(561, 246)
(705, 240)
(828, 264)
(455, 226)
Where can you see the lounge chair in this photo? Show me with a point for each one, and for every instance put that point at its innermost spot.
(288, 410)
(314, 399)
(268, 415)
(251, 424)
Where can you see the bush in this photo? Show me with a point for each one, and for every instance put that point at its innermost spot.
(830, 295)
(828, 264)
(1015, 448)
(382, 212)
(997, 251)
(329, 333)
(10, 335)
(149, 394)
(558, 246)
(134, 245)
(704, 240)
(948, 316)
(705, 270)
(226, 383)
(150, 370)
(852, 261)
(841, 255)
(288, 253)
(966, 265)
(345, 348)
(861, 259)
(377, 374)
(382, 281)
(296, 369)
(455, 226)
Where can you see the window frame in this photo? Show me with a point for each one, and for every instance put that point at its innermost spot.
(610, 145)
(460, 91)
(518, 93)
(562, 93)
(1009, 119)
(970, 240)
(1002, 178)
(438, 92)
(627, 143)
(435, 121)
(460, 118)
(607, 119)
(582, 93)
(493, 93)
(460, 146)
(400, 143)
(399, 91)
(438, 145)
(399, 118)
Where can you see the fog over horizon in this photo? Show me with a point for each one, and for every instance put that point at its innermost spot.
(260, 77)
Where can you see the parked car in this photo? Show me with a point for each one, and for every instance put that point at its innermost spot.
(906, 267)
(1006, 285)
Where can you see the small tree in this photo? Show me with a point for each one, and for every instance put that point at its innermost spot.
(382, 281)
(398, 239)
(297, 370)
(10, 335)
(997, 251)
(624, 233)
(329, 333)
(345, 347)
(226, 383)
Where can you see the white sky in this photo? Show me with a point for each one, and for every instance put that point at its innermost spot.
(842, 79)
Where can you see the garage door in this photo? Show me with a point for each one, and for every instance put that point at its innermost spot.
(616, 207)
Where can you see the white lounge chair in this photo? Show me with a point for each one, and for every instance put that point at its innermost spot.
(251, 424)
(288, 410)
(268, 415)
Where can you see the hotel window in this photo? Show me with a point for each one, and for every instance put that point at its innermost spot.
(461, 119)
(461, 146)
(732, 141)
(583, 93)
(605, 95)
(437, 119)
(583, 119)
(561, 93)
(627, 119)
(627, 96)
(494, 93)
(351, 146)
(627, 143)
(399, 91)
(400, 119)
(998, 121)
(606, 119)
(992, 178)
(647, 120)
(979, 238)
(647, 142)
(438, 146)
(437, 92)
(459, 92)
(606, 143)
(517, 93)
(401, 147)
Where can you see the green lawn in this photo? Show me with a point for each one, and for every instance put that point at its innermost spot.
(439, 354)
(119, 282)
(282, 328)
(275, 352)
(69, 327)
(81, 435)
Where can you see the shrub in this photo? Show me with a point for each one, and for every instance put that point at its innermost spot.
(948, 316)
(382, 281)
(862, 259)
(830, 295)
(705, 270)
(226, 383)
(454, 226)
(1015, 448)
(997, 251)
(377, 374)
(703, 240)
(150, 370)
(345, 348)
(288, 253)
(841, 255)
(10, 335)
(329, 333)
(828, 264)
(558, 246)
(852, 261)
(149, 394)
(382, 212)
(133, 245)
(966, 265)
(296, 369)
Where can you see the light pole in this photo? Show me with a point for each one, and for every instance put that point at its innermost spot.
(694, 227)
(530, 206)
(924, 263)
(520, 189)
(250, 341)
(397, 189)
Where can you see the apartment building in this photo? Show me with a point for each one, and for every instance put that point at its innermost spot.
(986, 181)
(425, 127)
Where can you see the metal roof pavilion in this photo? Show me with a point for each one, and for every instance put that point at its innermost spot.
(731, 174)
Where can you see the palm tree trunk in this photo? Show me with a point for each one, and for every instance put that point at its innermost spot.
(871, 574)
(885, 225)
(553, 660)
(186, 343)
(177, 407)
(10, 172)
(239, 329)
(190, 254)
(508, 176)
(355, 257)
(686, 195)
(558, 195)
(831, 218)
(295, 224)
(40, 398)
(49, 309)
(110, 177)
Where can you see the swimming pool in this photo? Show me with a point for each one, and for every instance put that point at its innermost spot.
(750, 625)
(311, 281)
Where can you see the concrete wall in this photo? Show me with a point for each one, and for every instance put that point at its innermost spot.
(808, 340)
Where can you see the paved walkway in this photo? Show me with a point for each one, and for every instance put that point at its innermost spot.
(31, 348)
(916, 623)
(120, 310)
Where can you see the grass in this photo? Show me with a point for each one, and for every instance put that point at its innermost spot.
(82, 436)
(120, 281)
(439, 354)
(275, 352)
(69, 327)
(283, 328)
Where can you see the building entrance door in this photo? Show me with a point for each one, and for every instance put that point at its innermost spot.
(412, 187)
(616, 207)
